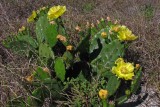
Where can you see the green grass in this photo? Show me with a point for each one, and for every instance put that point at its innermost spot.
(88, 7)
(149, 11)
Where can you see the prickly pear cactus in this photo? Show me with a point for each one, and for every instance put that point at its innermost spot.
(97, 60)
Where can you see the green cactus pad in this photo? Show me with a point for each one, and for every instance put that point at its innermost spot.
(136, 82)
(113, 85)
(45, 51)
(108, 55)
(46, 32)
(60, 68)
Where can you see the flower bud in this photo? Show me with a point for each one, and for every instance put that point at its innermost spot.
(102, 19)
(137, 66)
(116, 22)
(78, 28)
(61, 38)
(98, 22)
(87, 25)
(92, 25)
(43, 8)
(103, 34)
(127, 92)
(46, 70)
(108, 18)
(115, 28)
(69, 48)
(52, 22)
(30, 78)
(110, 31)
(103, 94)
(22, 29)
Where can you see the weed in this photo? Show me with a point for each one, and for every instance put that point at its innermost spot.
(149, 11)
(88, 7)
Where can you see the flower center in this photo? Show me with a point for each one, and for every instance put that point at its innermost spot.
(124, 70)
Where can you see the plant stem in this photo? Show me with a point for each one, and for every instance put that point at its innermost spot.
(104, 102)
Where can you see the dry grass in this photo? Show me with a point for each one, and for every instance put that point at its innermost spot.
(142, 20)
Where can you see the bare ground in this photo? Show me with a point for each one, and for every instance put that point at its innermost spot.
(141, 16)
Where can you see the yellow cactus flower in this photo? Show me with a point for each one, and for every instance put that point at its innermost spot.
(69, 48)
(56, 11)
(103, 94)
(103, 34)
(124, 34)
(61, 38)
(30, 78)
(22, 29)
(123, 70)
(32, 17)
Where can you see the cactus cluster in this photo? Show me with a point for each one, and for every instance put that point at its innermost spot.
(93, 57)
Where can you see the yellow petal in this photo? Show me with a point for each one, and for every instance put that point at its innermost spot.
(129, 67)
(132, 37)
(119, 60)
(32, 16)
(129, 76)
(113, 69)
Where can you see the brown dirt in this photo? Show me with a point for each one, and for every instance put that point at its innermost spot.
(132, 13)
